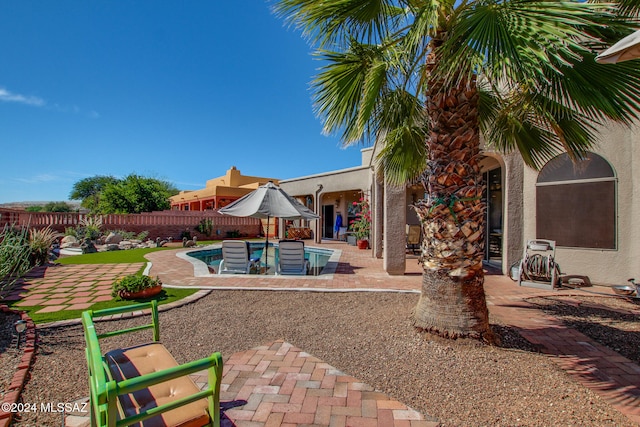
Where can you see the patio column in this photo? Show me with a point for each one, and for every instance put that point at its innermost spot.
(318, 211)
(378, 217)
(395, 218)
(512, 229)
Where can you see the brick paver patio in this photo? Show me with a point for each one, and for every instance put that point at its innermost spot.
(280, 385)
(68, 287)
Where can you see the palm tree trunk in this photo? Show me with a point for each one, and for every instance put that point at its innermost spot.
(452, 303)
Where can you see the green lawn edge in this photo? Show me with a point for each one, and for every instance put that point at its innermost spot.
(166, 296)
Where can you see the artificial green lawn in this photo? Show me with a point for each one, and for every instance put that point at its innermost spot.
(129, 256)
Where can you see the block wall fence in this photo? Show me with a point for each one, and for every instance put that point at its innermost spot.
(162, 224)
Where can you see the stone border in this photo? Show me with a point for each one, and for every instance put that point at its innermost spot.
(19, 378)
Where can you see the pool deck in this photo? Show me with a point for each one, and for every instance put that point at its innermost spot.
(354, 270)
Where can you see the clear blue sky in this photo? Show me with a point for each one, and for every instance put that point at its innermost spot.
(176, 90)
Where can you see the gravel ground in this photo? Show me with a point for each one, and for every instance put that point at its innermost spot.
(367, 335)
(10, 356)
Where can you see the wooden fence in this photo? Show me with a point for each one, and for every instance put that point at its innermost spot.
(159, 224)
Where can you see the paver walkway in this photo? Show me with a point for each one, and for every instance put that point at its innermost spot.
(614, 377)
(282, 386)
(68, 287)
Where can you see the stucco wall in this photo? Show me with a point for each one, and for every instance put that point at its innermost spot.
(619, 146)
(342, 180)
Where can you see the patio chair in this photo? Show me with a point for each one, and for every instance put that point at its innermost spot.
(235, 257)
(413, 237)
(291, 258)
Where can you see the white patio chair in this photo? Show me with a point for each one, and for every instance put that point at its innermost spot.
(291, 258)
(235, 257)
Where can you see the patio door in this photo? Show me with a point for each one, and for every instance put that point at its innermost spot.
(493, 199)
(327, 221)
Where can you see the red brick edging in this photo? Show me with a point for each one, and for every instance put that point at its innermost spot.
(19, 378)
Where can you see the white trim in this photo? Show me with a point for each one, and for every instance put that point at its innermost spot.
(577, 181)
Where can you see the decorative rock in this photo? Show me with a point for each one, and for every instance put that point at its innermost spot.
(113, 238)
(112, 247)
(88, 247)
(68, 241)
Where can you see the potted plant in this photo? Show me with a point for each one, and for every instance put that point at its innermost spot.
(134, 287)
(361, 226)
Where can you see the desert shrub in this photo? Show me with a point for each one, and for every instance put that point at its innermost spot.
(141, 235)
(40, 242)
(14, 256)
(205, 227)
(233, 233)
(90, 228)
(71, 231)
(133, 283)
(129, 235)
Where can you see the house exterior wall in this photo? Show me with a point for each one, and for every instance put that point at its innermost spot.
(218, 192)
(326, 187)
(619, 146)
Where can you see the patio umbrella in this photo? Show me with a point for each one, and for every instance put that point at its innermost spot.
(624, 50)
(268, 201)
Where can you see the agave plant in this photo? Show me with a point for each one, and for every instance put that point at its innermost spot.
(40, 242)
(92, 226)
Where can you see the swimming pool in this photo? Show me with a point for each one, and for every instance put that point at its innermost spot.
(318, 258)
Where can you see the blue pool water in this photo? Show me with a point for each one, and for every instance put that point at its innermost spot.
(317, 258)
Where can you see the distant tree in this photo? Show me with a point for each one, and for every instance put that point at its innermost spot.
(57, 207)
(36, 208)
(89, 189)
(135, 194)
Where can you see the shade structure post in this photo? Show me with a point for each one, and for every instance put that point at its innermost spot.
(266, 249)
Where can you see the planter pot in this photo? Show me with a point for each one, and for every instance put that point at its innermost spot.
(145, 293)
(363, 244)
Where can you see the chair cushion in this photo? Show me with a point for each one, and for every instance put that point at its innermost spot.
(152, 357)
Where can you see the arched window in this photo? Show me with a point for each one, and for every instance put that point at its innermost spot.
(576, 202)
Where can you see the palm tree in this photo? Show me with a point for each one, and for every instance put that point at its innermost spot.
(425, 78)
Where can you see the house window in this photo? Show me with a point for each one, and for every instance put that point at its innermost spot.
(576, 202)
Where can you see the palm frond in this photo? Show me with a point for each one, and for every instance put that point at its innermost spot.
(403, 157)
(600, 92)
(518, 39)
(402, 131)
(347, 90)
(329, 21)
(537, 126)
